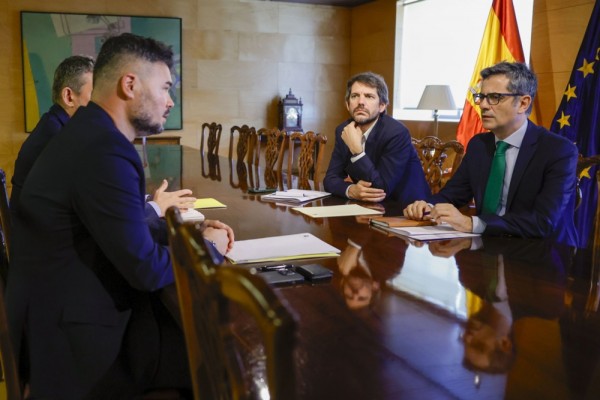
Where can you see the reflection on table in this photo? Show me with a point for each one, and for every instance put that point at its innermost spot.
(486, 318)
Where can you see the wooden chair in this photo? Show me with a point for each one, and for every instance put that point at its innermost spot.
(4, 217)
(8, 369)
(310, 158)
(439, 160)
(244, 151)
(213, 137)
(274, 146)
(205, 293)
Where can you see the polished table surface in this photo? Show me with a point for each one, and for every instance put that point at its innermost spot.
(391, 323)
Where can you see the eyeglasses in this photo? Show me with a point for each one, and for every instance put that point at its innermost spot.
(493, 98)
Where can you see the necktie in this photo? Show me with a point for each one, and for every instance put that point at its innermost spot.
(493, 190)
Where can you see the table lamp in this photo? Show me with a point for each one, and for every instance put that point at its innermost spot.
(436, 97)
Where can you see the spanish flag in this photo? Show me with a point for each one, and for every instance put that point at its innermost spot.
(501, 42)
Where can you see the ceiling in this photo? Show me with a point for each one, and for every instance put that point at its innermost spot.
(340, 3)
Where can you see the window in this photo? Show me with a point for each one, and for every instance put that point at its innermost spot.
(437, 44)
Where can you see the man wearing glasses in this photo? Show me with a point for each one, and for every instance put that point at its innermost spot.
(521, 176)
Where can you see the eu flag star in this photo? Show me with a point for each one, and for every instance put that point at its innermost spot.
(586, 68)
(570, 92)
(563, 120)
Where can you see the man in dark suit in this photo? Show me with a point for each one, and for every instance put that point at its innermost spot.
(373, 158)
(533, 193)
(86, 272)
(71, 89)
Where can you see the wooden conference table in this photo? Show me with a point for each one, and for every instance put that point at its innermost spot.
(391, 322)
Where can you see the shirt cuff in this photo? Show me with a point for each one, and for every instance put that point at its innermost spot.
(155, 207)
(478, 225)
(357, 157)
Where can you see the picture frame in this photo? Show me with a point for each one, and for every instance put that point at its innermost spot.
(47, 38)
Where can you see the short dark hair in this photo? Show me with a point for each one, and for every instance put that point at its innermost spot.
(117, 49)
(69, 73)
(521, 78)
(370, 79)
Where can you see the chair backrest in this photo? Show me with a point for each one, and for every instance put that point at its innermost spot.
(246, 140)
(4, 215)
(212, 131)
(8, 368)
(271, 142)
(205, 293)
(310, 158)
(439, 160)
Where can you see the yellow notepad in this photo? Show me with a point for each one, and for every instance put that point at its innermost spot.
(208, 202)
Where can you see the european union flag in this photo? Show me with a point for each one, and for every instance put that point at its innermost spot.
(578, 119)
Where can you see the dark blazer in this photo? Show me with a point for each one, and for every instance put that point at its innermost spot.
(541, 196)
(84, 261)
(390, 163)
(49, 125)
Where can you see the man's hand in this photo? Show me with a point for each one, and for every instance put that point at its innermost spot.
(219, 233)
(449, 248)
(182, 199)
(364, 192)
(445, 212)
(417, 210)
(352, 136)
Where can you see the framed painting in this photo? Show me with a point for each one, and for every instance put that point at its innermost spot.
(49, 38)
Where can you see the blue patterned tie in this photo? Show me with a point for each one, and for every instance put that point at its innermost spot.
(493, 190)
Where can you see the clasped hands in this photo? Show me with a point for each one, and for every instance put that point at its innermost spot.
(441, 212)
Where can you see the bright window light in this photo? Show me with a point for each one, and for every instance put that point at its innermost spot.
(438, 45)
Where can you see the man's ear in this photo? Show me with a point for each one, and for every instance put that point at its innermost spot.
(525, 102)
(127, 84)
(66, 95)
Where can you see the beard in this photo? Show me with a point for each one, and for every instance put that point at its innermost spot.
(142, 121)
(360, 121)
(144, 126)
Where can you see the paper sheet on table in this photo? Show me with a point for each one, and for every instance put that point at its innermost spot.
(208, 203)
(280, 248)
(435, 232)
(337, 211)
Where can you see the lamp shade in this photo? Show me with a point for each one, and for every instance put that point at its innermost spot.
(436, 97)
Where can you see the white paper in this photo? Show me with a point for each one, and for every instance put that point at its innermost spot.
(192, 215)
(295, 196)
(337, 211)
(275, 248)
(435, 232)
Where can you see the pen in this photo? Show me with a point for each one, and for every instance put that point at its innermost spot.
(273, 267)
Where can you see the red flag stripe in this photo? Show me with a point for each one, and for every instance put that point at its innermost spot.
(508, 27)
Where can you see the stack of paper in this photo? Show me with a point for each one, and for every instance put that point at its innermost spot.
(279, 248)
(399, 222)
(192, 215)
(424, 233)
(295, 196)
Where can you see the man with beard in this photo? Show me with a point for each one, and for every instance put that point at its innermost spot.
(86, 273)
(373, 158)
(521, 176)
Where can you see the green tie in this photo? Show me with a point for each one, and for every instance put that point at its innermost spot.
(493, 190)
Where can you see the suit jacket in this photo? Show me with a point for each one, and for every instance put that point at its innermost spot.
(541, 196)
(390, 163)
(49, 125)
(84, 260)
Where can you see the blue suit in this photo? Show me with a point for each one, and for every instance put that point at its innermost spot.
(390, 163)
(84, 263)
(541, 196)
(49, 125)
